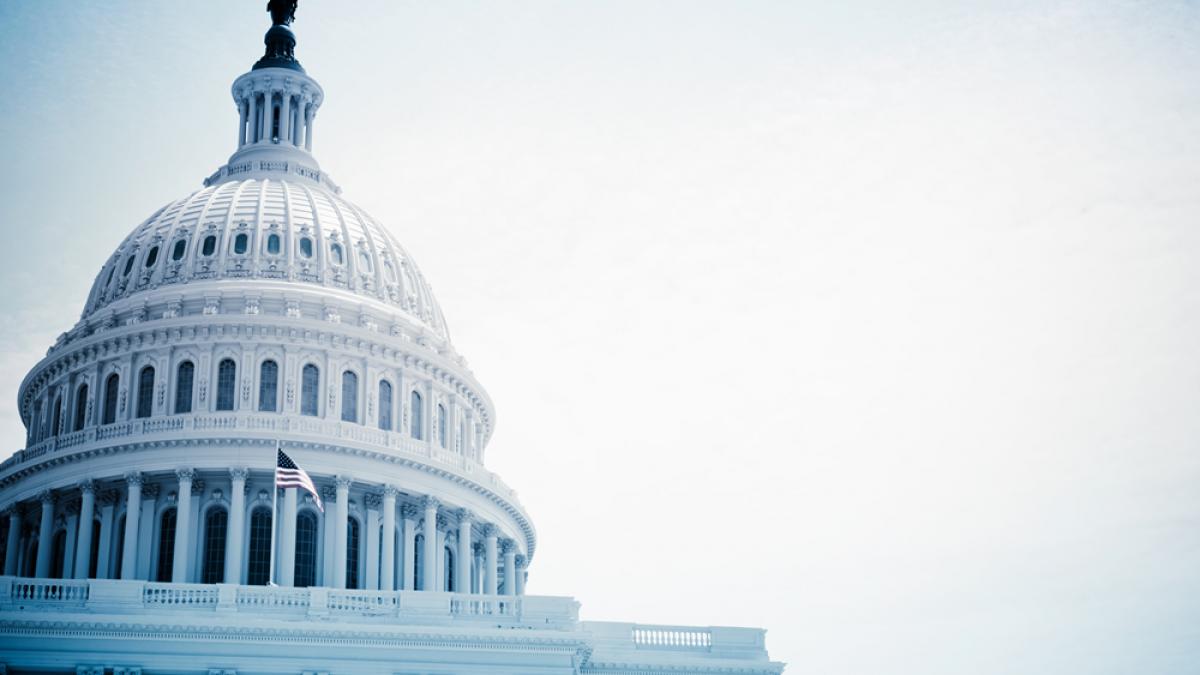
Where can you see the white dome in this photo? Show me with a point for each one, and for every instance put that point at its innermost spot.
(277, 230)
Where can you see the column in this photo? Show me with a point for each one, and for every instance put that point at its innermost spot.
(45, 530)
(297, 135)
(285, 571)
(108, 507)
(133, 509)
(370, 533)
(329, 496)
(521, 563)
(489, 564)
(510, 567)
(387, 555)
(145, 535)
(409, 513)
(462, 575)
(242, 122)
(342, 514)
(477, 568)
(83, 547)
(285, 116)
(236, 525)
(429, 556)
(252, 119)
(183, 526)
(308, 124)
(14, 540)
(68, 559)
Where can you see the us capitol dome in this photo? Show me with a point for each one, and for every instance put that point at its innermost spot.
(142, 528)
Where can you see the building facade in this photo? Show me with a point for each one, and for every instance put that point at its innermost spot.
(141, 527)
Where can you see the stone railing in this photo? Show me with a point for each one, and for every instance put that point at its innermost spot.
(671, 637)
(395, 607)
(717, 641)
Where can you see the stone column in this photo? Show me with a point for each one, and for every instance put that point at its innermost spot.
(462, 576)
(83, 546)
(14, 540)
(409, 515)
(429, 556)
(387, 555)
(308, 124)
(370, 536)
(236, 525)
(341, 516)
(477, 568)
(45, 532)
(241, 122)
(521, 563)
(108, 506)
(71, 511)
(510, 567)
(489, 565)
(183, 526)
(252, 121)
(145, 535)
(285, 571)
(133, 509)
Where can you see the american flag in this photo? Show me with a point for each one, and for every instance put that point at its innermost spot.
(288, 475)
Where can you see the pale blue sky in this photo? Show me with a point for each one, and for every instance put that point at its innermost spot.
(871, 323)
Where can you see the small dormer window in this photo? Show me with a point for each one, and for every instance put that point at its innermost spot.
(152, 257)
(306, 247)
(128, 266)
(241, 243)
(365, 261)
(273, 244)
(390, 270)
(178, 250)
(335, 253)
(209, 246)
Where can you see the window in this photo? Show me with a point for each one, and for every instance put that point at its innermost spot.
(349, 397)
(94, 554)
(152, 257)
(178, 250)
(58, 552)
(56, 416)
(448, 561)
(351, 553)
(259, 563)
(310, 379)
(417, 428)
(214, 546)
(209, 246)
(120, 551)
(273, 244)
(306, 247)
(110, 398)
(418, 563)
(335, 253)
(128, 266)
(145, 401)
(226, 384)
(306, 550)
(81, 401)
(241, 243)
(186, 374)
(365, 261)
(111, 271)
(166, 545)
(268, 387)
(385, 405)
(441, 422)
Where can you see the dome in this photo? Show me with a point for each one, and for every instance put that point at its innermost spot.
(267, 229)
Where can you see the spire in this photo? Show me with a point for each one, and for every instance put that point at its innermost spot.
(280, 40)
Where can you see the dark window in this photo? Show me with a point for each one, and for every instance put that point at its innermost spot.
(120, 548)
(145, 403)
(226, 384)
(306, 550)
(166, 545)
(241, 243)
(209, 246)
(273, 244)
(349, 397)
(58, 553)
(441, 421)
(214, 546)
(111, 271)
(448, 561)
(186, 374)
(81, 401)
(385, 405)
(259, 562)
(268, 387)
(309, 381)
(128, 266)
(110, 398)
(152, 257)
(417, 428)
(56, 417)
(178, 250)
(351, 553)
(418, 563)
(306, 247)
(94, 554)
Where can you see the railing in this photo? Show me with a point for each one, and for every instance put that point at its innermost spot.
(269, 598)
(671, 637)
(54, 591)
(363, 602)
(483, 606)
(176, 595)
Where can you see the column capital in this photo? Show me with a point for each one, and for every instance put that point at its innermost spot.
(239, 472)
(489, 531)
(390, 491)
(46, 497)
(329, 494)
(442, 522)
(150, 490)
(87, 485)
(373, 500)
(185, 474)
(477, 548)
(409, 512)
(110, 497)
(465, 517)
(522, 561)
(134, 478)
(198, 486)
(508, 546)
(430, 503)
(343, 482)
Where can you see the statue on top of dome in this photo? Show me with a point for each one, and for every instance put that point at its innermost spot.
(283, 12)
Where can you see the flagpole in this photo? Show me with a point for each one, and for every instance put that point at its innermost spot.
(274, 514)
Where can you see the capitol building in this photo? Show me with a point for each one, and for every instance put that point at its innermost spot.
(142, 530)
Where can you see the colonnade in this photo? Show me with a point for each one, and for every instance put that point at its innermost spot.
(183, 528)
(277, 115)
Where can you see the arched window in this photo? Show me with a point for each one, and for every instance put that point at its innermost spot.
(58, 554)
(166, 545)
(241, 243)
(273, 244)
(310, 380)
(385, 405)
(268, 387)
(306, 247)
(111, 385)
(128, 266)
(94, 554)
(81, 401)
(448, 562)
(418, 563)
(351, 553)
(226, 384)
(178, 250)
(441, 422)
(306, 550)
(349, 397)
(364, 261)
(258, 568)
(56, 416)
(152, 257)
(335, 253)
(186, 375)
(145, 400)
(209, 246)
(214, 546)
(417, 411)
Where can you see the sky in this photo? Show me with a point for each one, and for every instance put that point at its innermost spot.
(873, 324)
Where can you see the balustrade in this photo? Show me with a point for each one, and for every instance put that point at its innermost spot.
(671, 637)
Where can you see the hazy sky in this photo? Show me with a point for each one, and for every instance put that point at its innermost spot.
(871, 323)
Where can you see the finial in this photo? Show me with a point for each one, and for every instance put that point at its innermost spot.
(283, 12)
(280, 41)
